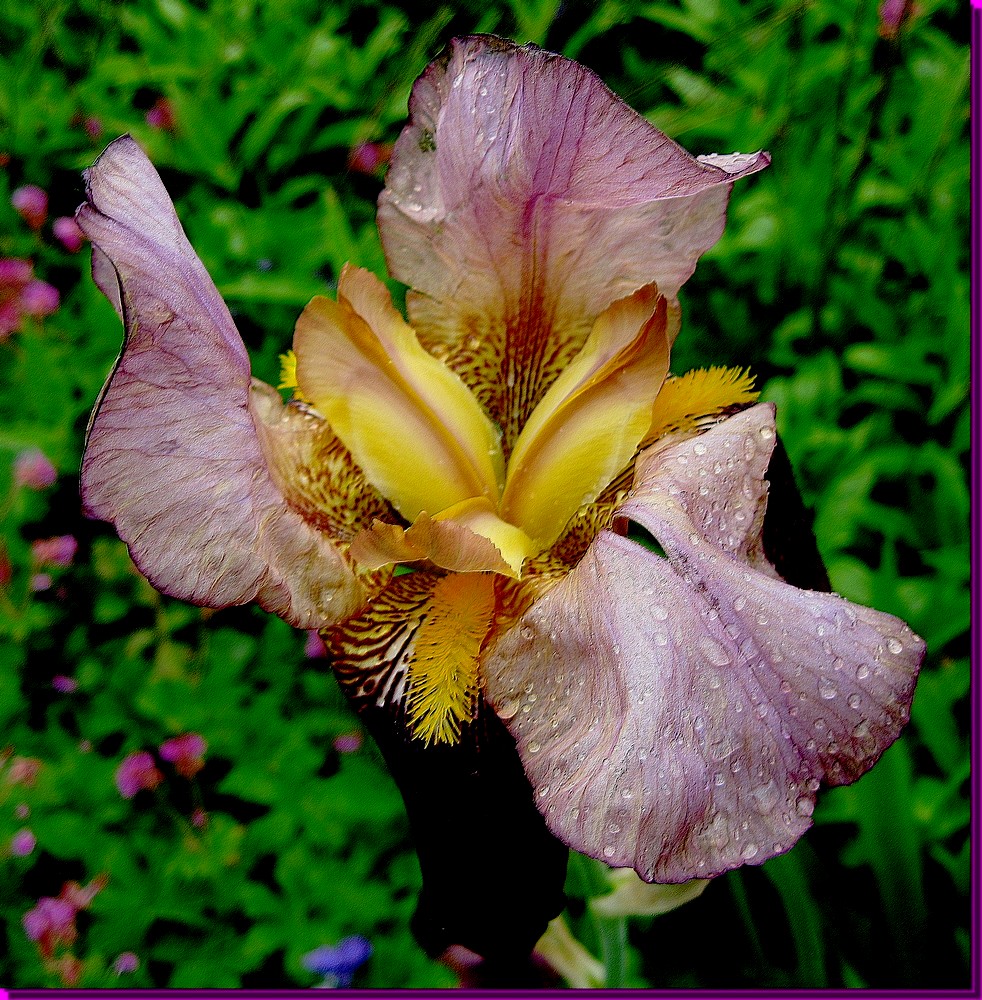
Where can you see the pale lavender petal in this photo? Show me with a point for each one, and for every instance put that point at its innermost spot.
(678, 716)
(173, 458)
(523, 198)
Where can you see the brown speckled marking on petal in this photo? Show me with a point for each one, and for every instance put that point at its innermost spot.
(314, 470)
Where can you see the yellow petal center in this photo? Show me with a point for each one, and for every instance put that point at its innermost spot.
(424, 442)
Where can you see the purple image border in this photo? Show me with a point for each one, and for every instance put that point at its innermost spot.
(975, 988)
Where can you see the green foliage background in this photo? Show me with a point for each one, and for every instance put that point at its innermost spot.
(842, 279)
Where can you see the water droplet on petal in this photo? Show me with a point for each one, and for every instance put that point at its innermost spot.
(862, 672)
(854, 701)
(714, 652)
(805, 807)
(827, 688)
(895, 646)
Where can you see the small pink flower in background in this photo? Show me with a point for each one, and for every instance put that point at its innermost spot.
(64, 684)
(22, 811)
(15, 272)
(347, 742)
(21, 294)
(39, 299)
(199, 819)
(85, 746)
(51, 924)
(92, 126)
(369, 157)
(41, 582)
(24, 771)
(161, 115)
(185, 752)
(137, 772)
(57, 551)
(31, 204)
(33, 469)
(68, 234)
(894, 15)
(23, 843)
(314, 648)
(128, 961)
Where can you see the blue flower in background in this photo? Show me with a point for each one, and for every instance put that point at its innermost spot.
(338, 964)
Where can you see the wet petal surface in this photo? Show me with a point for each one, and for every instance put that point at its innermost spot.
(677, 716)
(173, 458)
(523, 198)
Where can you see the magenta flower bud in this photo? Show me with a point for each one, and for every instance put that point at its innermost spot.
(31, 203)
(68, 234)
(92, 126)
(33, 469)
(39, 299)
(199, 819)
(369, 157)
(63, 684)
(161, 115)
(23, 843)
(185, 752)
(57, 551)
(40, 582)
(137, 772)
(128, 961)
(22, 811)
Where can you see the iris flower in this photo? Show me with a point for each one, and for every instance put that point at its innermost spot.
(544, 567)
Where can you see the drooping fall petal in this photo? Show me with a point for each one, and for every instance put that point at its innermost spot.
(589, 423)
(677, 716)
(173, 458)
(523, 198)
(412, 426)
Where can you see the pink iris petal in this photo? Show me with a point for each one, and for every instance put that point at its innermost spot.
(31, 203)
(173, 446)
(33, 469)
(68, 234)
(57, 551)
(681, 721)
(136, 773)
(524, 198)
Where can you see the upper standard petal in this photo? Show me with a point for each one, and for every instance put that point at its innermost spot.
(523, 198)
(172, 457)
